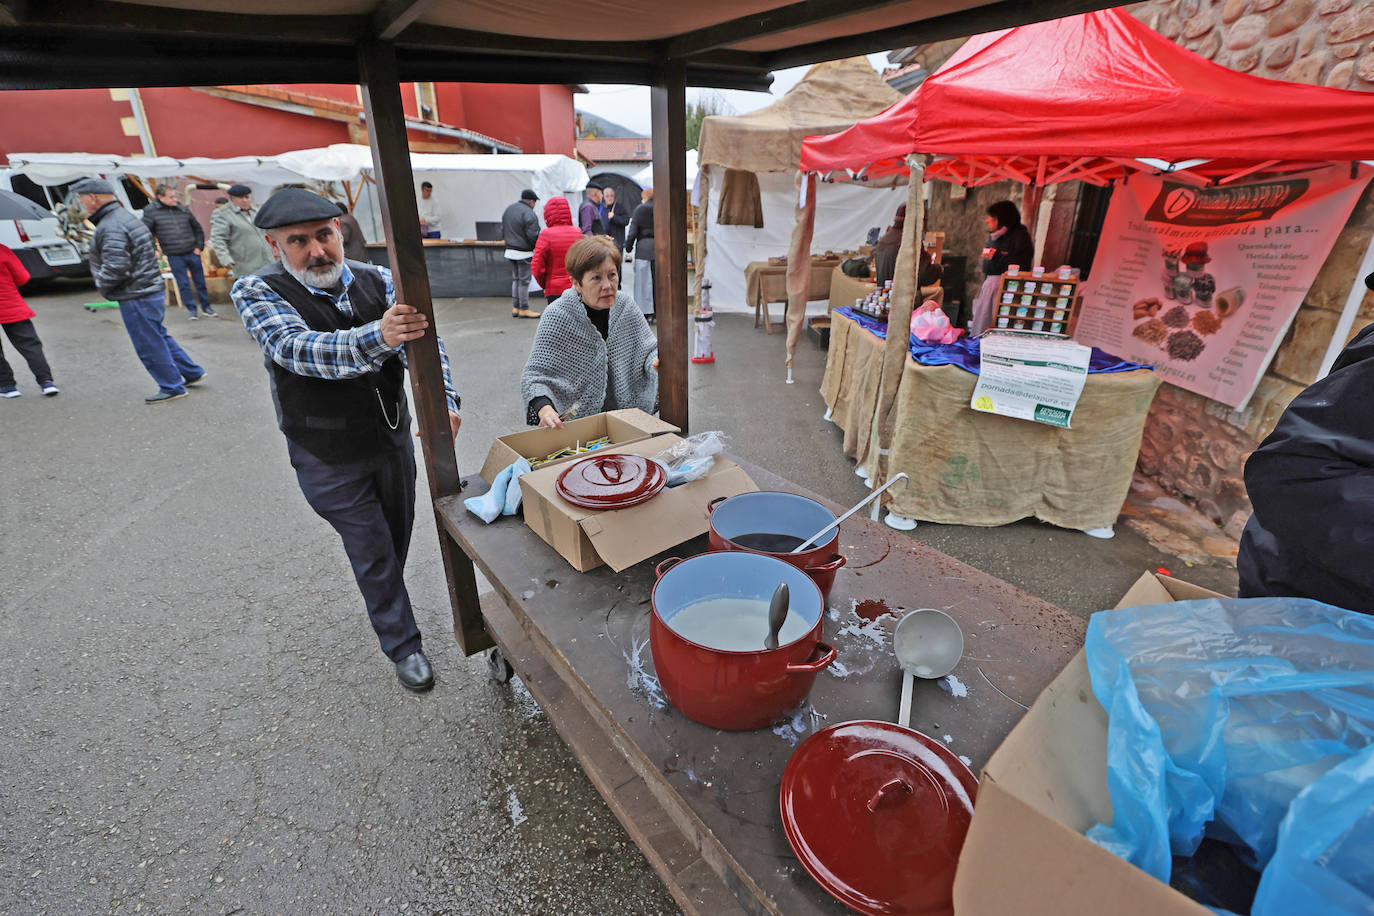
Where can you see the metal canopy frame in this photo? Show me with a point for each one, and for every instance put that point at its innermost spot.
(70, 44)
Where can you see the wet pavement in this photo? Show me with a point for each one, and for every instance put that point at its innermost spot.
(197, 717)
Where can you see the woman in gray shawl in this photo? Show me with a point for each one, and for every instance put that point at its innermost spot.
(593, 350)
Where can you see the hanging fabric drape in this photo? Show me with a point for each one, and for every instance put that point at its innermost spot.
(799, 261)
(896, 348)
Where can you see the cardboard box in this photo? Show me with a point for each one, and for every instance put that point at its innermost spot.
(621, 538)
(1026, 852)
(623, 426)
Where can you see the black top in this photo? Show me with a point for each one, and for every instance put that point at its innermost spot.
(1014, 247)
(601, 320)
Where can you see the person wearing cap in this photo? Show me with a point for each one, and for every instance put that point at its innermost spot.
(431, 214)
(123, 261)
(334, 339)
(237, 242)
(589, 214)
(520, 227)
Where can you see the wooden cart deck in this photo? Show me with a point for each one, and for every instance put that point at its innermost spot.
(702, 803)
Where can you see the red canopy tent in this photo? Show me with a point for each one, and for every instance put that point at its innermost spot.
(1090, 98)
(1086, 98)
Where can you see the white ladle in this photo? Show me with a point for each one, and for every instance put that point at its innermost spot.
(859, 505)
(928, 644)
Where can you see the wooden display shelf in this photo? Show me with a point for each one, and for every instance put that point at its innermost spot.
(1048, 304)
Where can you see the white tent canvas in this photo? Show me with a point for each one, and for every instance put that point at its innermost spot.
(844, 214)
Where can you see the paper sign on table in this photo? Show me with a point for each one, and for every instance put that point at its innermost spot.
(1031, 376)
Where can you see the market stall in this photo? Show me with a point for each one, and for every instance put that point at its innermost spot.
(747, 186)
(1002, 109)
(766, 282)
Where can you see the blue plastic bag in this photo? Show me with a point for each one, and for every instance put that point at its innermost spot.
(1221, 713)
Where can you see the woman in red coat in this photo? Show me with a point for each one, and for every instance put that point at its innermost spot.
(17, 319)
(551, 249)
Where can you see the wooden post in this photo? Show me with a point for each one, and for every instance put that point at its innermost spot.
(668, 111)
(401, 224)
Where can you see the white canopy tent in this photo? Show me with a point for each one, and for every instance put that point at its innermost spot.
(471, 187)
(645, 176)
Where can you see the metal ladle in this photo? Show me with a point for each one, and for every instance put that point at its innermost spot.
(777, 615)
(928, 643)
(857, 506)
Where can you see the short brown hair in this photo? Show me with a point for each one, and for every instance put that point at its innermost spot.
(163, 189)
(589, 253)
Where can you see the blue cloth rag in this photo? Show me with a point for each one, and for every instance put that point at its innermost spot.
(504, 496)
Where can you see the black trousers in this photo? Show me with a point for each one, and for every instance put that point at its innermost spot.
(371, 504)
(25, 339)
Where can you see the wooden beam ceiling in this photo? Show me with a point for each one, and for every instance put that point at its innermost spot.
(392, 17)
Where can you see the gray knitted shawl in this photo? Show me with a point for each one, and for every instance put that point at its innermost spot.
(571, 365)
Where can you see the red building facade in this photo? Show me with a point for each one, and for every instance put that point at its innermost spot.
(224, 121)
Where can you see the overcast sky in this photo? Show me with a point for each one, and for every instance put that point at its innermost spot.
(628, 106)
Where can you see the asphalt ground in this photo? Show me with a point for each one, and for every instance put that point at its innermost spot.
(196, 714)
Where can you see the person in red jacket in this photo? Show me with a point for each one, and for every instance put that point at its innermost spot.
(17, 319)
(551, 249)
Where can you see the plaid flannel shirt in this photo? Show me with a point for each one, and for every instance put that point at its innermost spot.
(292, 344)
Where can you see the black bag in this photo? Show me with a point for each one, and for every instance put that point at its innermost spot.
(855, 267)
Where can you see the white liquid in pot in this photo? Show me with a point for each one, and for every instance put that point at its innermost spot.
(734, 624)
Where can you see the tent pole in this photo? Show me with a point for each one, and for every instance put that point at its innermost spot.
(668, 115)
(401, 224)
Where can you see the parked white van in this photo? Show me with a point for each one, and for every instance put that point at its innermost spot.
(41, 245)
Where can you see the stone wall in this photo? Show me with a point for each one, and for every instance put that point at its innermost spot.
(1196, 447)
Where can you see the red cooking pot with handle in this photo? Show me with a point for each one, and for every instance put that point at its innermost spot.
(709, 622)
(786, 520)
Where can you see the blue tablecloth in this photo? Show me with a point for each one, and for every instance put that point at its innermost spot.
(964, 352)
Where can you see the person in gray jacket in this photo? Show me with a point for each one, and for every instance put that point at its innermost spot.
(520, 227)
(124, 267)
(181, 238)
(239, 245)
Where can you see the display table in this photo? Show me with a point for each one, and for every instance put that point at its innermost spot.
(972, 468)
(765, 282)
(845, 289)
(701, 803)
(459, 269)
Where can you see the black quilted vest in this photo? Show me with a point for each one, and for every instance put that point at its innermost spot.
(339, 419)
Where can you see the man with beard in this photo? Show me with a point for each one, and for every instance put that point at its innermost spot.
(334, 339)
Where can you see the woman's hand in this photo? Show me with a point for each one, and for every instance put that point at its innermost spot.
(548, 417)
(655, 363)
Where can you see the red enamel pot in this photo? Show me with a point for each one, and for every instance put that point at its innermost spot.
(786, 520)
(710, 618)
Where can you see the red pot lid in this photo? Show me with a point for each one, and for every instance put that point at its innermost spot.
(611, 481)
(877, 813)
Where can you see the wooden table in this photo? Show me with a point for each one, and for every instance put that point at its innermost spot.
(701, 803)
(972, 468)
(766, 282)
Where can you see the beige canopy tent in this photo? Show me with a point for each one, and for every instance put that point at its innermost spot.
(735, 150)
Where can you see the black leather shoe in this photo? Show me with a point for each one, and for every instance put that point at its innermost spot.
(414, 673)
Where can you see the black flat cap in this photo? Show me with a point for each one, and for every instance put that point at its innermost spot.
(290, 206)
(93, 186)
(528, 194)
(239, 190)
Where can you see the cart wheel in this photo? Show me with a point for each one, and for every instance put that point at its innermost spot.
(498, 668)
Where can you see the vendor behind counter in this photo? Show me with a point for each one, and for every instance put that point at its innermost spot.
(885, 255)
(1009, 242)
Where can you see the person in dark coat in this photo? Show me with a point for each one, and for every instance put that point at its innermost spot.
(1009, 242)
(639, 241)
(885, 252)
(354, 245)
(520, 229)
(181, 237)
(589, 214)
(1311, 483)
(124, 268)
(616, 216)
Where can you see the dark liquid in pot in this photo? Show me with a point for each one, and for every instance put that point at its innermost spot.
(769, 543)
